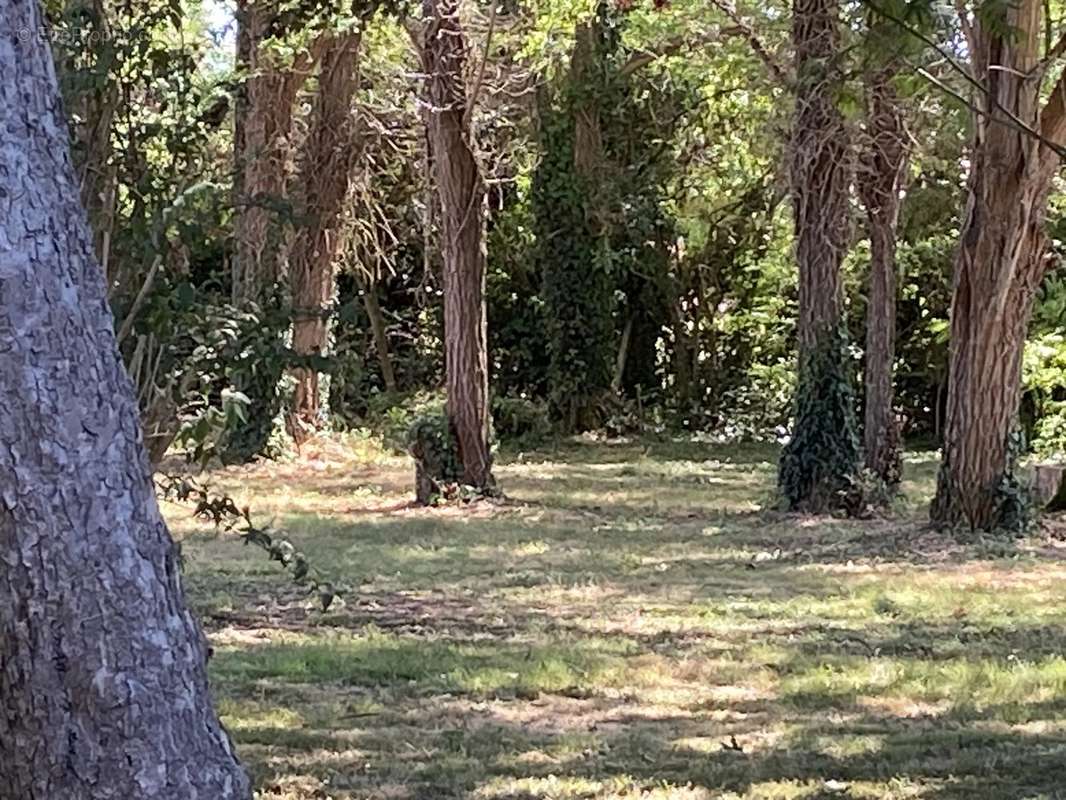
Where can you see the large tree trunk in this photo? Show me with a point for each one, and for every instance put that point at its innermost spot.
(999, 265)
(822, 456)
(820, 172)
(880, 183)
(102, 668)
(263, 153)
(573, 216)
(462, 218)
(263, 133)
(328, 154)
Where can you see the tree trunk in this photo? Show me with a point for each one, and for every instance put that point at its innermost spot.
(95, 110)
(242, 60)
(263, 151)
(999, 265)
(328, 155)
(880, 183)
(380, 333)
(822, 456)
(102, 668)
(820, 171)
(623, 354)
(462, 216)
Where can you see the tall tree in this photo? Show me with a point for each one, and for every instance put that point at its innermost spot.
(102, 668)
(822, 455)
(327, 158)
(272, 74)
(883, 168)
(461, 192)
(263, 152)
(1016, 151)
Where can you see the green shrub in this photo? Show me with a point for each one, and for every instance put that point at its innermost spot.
(392, 416)
(1044, 408)
(438, 473)
(520, 421)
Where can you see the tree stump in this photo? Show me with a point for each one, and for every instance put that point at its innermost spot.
(1048, 486)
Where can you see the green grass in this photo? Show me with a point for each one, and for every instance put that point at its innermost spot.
(635, 622)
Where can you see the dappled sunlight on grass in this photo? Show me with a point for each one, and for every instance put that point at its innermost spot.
(636, 620)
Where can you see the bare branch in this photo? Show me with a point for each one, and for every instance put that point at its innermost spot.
(139, 301)
(476, 90)
(1010, 120)
(1008, 117)
(779, 73)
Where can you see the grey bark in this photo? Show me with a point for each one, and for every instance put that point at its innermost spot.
(102, 668)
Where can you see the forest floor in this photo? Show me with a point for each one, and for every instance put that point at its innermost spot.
(629, 624)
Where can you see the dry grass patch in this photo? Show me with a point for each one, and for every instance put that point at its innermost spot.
(630, 623)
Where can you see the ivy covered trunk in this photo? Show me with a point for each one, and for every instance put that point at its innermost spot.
(462, 231)
(328, 153)
(880, 183)
(998, 268)
(821, 459)
(102, 667)
(573, 229)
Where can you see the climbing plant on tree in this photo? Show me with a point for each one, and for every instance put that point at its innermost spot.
(883, 149)
(603, 234)
(571, 225)
(821, 459)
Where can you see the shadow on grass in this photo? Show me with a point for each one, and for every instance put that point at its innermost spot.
(635, 629)
(441, 747)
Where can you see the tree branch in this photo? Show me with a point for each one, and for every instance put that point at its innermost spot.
(779, 73)
(476, 90)
(1053, 120)
(1008, 117)
(642, 58)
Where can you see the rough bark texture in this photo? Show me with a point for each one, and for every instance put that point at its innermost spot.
(999, 265)
(242, 59)
(263, 149)
(462, 227)
(820, 173)
(589, 159)
(102, 668)
(880, 183)
(821, 458)
(325, 169)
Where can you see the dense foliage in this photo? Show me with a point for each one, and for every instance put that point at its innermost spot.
(640, 273)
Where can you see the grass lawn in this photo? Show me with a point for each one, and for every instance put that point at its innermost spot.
(630, 624)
